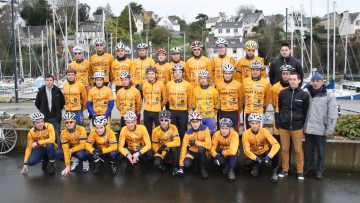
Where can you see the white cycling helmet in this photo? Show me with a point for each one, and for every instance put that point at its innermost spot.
(178, 67)
(226, 122)
(220, 41)
(175, 50)
(228, 67)
(203, 73)
(254, 117)
(100, 120)
(256, 65)
(130, 116)
(142, 46)
(196, 44)
(286, 68)
(99, 41)
(69, 116)
(119, 46)
(37, 116)
(195, 116)
(78, 49)
(251, 44)
(124, 75)
(99, 75)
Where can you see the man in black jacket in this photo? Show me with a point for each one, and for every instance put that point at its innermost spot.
(50, 101)
(285, 58)
(293, 107)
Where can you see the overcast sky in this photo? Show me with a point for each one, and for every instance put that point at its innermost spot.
(188, 9)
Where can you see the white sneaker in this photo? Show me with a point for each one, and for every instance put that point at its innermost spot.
(86, 166)
(74, 163)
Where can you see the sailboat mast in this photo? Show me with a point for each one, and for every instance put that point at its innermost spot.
(28, 30)
(334, 45)
(20, 55)
(311, 40)
(76, 22)
(302, 37)
(131, 39)
(328, 43)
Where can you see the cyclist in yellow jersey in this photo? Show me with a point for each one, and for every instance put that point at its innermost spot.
(155, 98)
(256, 92)
(243, 66)
(231, 96)
(102, 144)
(197, 63)
(161, 65)
(100, 98)
(139, 65)
(120, 65)
(128, 98)
(206, 101)
(166, 143)
(134, 143)
(275, 91)
(179, 96)
(75, 96)
(101, 61)
(40, 145)
(260, 148)
(73, 142)
(196, 142)
(219, 61)
(81, 66)
(175, 53)
(225, 145)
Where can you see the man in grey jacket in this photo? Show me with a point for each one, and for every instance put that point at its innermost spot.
(320, 123)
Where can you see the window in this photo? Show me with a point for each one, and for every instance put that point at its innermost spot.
(234, 51)
(220, 30)
(235, 30)
(358, 22)
(227, 30)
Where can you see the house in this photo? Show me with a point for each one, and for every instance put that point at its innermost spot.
(274, 19)
(235, 48)
(35, 35)
(139, 22)
(324, 20)
(152, 15)
(294, 23)
(169, 22)
(350, 23)
(238, 26)
(210, 23)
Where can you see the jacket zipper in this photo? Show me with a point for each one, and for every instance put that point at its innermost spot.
(291, 105)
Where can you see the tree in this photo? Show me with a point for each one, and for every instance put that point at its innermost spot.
(245, 9)
(183, 25)
(40, 14)
(201, 19)
(117, 32)
(136, 8)
(159, 36)
(193, 32)
(123, 21)
(84, 12)
(25, 10)
(98, 10)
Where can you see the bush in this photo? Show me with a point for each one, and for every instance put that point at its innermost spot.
(348, 126)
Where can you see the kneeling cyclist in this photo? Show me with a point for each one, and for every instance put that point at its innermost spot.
(166, 142)
(73, 142)
(225, 145)
(195, 143)
(105, 145)
(260, 147)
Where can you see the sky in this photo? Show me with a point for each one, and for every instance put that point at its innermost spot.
(188, 9)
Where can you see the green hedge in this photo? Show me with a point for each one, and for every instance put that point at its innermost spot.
(348, 126)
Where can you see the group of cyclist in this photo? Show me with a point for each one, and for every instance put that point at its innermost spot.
(191, 111)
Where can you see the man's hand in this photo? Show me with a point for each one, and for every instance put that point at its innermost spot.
(34, 144)
(192, 143)
(135, 157)
(66, 171)
(24, 170)
(161, 148)
(129, 157)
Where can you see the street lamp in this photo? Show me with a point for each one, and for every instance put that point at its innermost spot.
(13, 46)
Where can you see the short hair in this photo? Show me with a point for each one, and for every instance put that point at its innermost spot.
(297, 74)
(49, 76)
(285, 44)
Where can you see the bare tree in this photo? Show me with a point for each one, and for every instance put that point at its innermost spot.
(245, 9)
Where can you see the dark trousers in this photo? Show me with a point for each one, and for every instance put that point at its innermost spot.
(234, 117)
(197, 156)
(81, 155)
(150, 118)
(172, 154)
(312, 142)
(274, 160)
(231, 160)
(111, 156)
(180, 120)
(41, 153)
(56, 125)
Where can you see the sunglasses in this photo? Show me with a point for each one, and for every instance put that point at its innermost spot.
(78, 53)
(69, 122)
(99, 45)
(250, 50)
(196, 49)
(164, 120)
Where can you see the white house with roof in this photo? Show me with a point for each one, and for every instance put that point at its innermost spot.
(350, 23)
(324, 20)
(294, 23)
(170, 22)
(228, 29)
(235, 48)
(139, 23)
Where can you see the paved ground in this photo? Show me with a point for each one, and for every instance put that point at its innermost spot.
(338, 186)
